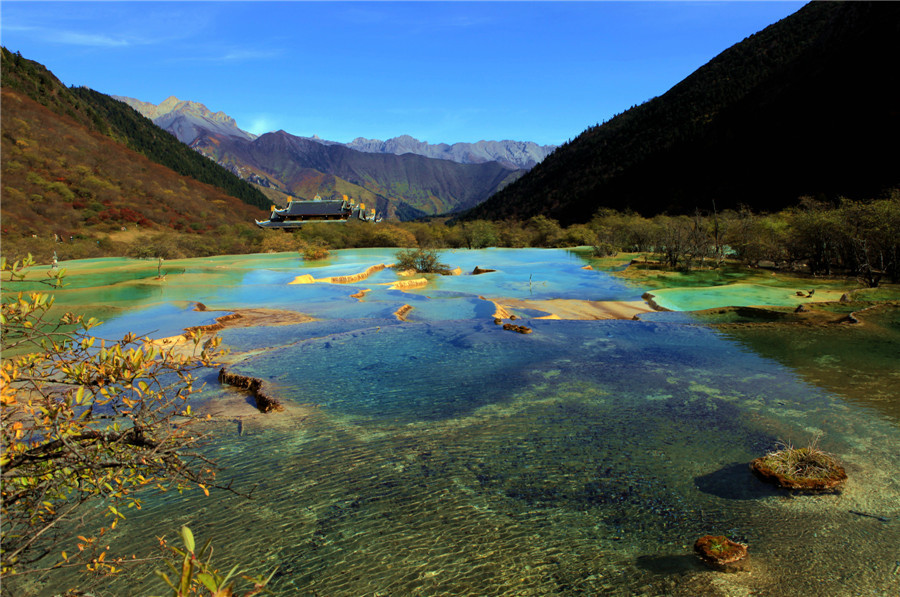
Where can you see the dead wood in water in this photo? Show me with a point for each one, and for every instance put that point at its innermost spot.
(264, 402)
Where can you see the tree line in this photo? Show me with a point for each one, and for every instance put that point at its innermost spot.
(851, 238)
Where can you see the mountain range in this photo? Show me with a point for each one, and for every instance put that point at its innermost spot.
(404, 186)
(805, 107)
(188, 120)
(402, 177)
(512, 154)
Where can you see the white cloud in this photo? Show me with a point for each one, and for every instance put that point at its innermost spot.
(221, 56)
(85, 39)
(239, 55)
(104, 24)
(74, 38)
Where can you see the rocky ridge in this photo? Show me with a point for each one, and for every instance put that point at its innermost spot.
(187, 120)
(513, 154)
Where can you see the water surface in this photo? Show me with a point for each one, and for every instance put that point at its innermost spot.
(446, 456)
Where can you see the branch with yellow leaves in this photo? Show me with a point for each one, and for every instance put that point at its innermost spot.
(87, 419)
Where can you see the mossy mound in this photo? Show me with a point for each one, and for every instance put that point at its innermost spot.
(720, 551)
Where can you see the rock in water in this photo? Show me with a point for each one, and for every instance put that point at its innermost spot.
(720, 552)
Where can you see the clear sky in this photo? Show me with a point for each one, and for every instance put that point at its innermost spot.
(439, 71)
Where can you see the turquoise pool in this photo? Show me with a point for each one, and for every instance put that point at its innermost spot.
(445, 456)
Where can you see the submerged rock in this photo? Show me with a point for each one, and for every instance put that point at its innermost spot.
(650, 300)
(720, 552)
(517, 328)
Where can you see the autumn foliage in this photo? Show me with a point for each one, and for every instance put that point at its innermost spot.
(85, 419)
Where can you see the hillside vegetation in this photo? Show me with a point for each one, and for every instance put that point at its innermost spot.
(61, 180)
(71, 186)
(114, 119)
(803, 107)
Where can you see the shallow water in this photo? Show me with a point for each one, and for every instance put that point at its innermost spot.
(446, 456)
(860, 362)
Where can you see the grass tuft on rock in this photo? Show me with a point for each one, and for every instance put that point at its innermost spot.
(809, 467)
(809, 462)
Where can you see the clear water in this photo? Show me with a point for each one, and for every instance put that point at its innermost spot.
(446, 456)
(857, 361)
(233, 282)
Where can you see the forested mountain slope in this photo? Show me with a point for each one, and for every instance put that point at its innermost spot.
(105, 115)
(70, 185)
(805, 107)
(61, 178)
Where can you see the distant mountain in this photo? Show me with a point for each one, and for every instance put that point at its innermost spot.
(512, 154)
(805, 107)
(187, 120)
(400, 186)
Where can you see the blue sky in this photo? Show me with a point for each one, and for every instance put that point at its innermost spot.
(439, 71)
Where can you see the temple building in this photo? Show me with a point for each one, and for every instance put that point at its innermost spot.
(302, 211)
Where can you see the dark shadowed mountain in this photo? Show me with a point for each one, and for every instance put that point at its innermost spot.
(807, 106)
(400, 186)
